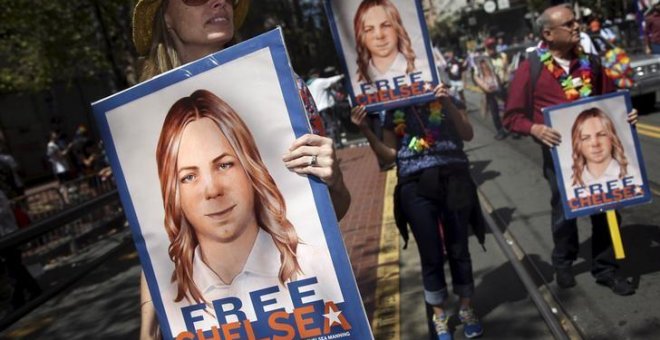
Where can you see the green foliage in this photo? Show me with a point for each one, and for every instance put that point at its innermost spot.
(42, 41)
(445, 30)
(537, 5)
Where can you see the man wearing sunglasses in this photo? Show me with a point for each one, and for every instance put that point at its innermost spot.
(566, 74)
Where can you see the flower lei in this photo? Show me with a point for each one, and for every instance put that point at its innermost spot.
(431, 133)
(617, 67)
(565, 79)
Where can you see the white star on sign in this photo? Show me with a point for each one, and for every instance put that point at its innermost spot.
(332, 316)
(427, 86)
(638, 190)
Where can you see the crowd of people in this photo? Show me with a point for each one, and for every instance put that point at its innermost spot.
(79, 157)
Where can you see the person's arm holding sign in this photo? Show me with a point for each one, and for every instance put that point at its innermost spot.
(315, 155)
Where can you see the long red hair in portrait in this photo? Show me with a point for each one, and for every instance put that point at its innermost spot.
(270, 208)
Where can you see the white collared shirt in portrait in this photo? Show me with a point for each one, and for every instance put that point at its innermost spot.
(398, 68)
(262, 271)
(611, 173)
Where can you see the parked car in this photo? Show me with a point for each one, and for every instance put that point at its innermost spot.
(646, 67)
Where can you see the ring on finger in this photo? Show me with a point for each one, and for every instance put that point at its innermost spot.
(312, 161)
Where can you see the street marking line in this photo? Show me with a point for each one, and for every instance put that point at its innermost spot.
(386, 323)
(22, 333)
(647, 133)
(655, 189)
(473, 88)
(648, 127)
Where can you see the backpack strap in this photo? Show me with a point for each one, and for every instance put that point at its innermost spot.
(535, 67)
(596, 69)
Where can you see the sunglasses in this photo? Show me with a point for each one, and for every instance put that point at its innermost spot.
(570, 24)
(195, 3)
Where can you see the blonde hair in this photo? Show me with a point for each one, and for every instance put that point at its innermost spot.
(364, 56)
(162, 55)
(270, 208)
(579, 161)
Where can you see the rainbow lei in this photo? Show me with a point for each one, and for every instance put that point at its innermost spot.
(617, 67)
(431, 133)
(565, 79)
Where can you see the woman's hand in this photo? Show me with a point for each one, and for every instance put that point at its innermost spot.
(358, 116)
(314, 155)
(632, 117)
(442, 92)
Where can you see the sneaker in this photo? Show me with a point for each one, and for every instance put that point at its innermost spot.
(619, 285)
(471, 324)
(500, 135)
(565, 278)
(442, 327)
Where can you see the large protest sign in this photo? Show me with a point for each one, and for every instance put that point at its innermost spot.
(599, 164)
(232, 243)
(385, 51)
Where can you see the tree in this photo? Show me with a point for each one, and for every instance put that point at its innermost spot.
(306, 30)
(44, 41)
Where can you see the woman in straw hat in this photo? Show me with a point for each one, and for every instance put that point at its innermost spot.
(170, 33)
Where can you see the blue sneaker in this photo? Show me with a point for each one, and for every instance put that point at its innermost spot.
(471, 324)
(442, 327)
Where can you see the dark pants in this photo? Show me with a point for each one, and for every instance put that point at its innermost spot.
(565, 233)
(424, 216)
(331, 124)
(655, 48)
(23, 279)
(494, 108)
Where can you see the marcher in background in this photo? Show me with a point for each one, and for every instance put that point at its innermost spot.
(58, 158)
(25, 287)
(652, 29)
(171, 33)
(77, 153)
(321, 90)
(587, 44)
(597, 30)
(500, 66)
(16, 187)
(501, 45)
(455, 68)
(584, 76)
(499, 60)
(491, 85)
(434, 184)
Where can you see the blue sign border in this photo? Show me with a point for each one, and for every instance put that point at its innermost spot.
(354, 309)
(388, 105)
(574, 213)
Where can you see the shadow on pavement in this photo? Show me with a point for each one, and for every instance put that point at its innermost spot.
(480, 174)
(641, 244)
(103, 305)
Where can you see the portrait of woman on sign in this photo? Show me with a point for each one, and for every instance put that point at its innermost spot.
(385, 49)
(598, 161)
(224, 214)
(226, 230)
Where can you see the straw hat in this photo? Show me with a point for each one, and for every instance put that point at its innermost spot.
(143, 21)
